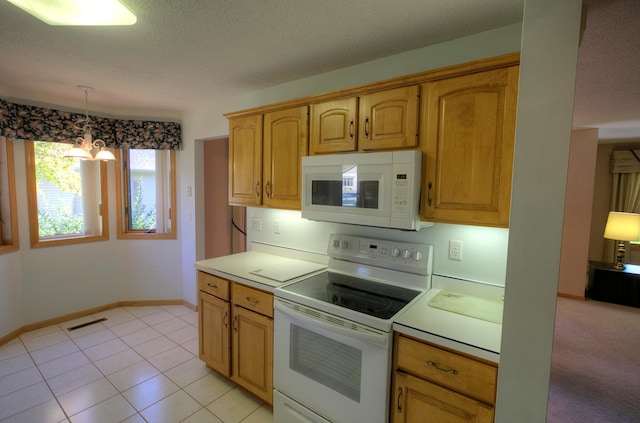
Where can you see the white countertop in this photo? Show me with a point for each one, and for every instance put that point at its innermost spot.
(252, 268)
(462, 333)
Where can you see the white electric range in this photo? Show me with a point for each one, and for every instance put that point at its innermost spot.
(333, 330)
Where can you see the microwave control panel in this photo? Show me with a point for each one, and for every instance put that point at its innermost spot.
(400, 191)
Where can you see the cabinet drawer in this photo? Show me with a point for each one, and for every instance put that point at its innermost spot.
(462, 374)
(252, 299)
(213, 285)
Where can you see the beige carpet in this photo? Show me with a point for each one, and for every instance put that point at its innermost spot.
(595, 370)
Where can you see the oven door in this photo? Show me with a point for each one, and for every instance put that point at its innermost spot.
(337, 369)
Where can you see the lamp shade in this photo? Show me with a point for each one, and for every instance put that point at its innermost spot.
(623, 226)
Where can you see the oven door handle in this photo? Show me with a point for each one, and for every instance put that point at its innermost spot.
(302, 319)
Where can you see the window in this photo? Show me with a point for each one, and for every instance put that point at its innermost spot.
(146, 193)
(67, 197)
(8, 214)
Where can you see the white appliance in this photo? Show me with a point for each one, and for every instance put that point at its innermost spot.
(333, 330)
(372, 189)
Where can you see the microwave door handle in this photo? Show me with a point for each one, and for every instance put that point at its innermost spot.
(299, 318)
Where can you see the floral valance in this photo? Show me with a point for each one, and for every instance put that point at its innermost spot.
(19, 121)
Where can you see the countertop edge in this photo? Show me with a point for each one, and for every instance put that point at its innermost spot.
(237, 279)
(447, 343)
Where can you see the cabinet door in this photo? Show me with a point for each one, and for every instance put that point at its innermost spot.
(285, 142)
(245, 160)
(469, 126)
(253, 353)
(415, 400)
(389, 119)
(214, 336)
(333, 126)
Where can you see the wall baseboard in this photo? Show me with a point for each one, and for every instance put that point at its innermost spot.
(66, 317)
(571, 296)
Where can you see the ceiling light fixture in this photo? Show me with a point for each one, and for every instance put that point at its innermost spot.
(78, 12)
(84, 145)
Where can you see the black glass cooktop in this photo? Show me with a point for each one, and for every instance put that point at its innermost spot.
(373, 298)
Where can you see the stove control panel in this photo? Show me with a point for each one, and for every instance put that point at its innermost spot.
(397, 255)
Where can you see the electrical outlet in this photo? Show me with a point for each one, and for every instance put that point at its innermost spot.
(455, 250)
(276, 226)
(257, 225)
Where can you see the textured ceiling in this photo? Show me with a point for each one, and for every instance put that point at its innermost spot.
(608, 74)
(183, 53)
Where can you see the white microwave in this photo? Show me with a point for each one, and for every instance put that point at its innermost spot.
(372, 189)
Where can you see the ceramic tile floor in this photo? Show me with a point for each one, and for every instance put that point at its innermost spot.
(140, 365)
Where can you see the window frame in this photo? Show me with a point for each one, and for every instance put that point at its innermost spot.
(32, 197)
(14, 244)
(122, 200)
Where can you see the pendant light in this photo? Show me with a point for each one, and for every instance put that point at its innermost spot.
(84, 145)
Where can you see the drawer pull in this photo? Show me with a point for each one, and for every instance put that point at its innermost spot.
(452, 371)
(210, 285)
(252, 300)
(399, 400)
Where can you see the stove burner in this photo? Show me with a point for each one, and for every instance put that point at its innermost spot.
(365, 296)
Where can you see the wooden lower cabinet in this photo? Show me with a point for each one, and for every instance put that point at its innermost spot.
(432, 384)
(417, 400)
(236, 333)
(253, 352)
(214, 345)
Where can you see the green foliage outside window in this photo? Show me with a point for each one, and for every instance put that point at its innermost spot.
(53, 167)
(66, 223)
(141, 219)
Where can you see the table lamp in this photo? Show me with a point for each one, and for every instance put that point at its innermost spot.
(622, 227)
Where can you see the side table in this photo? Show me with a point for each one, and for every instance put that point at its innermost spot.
(614, 286)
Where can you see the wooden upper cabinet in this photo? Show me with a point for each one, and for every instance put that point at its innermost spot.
(245, 160)
(286, 140)
(468, 125)
(389, 119)
(333, 126)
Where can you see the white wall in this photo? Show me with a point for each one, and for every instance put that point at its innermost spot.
(545, 113)
(11, 316)
(484, 249)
